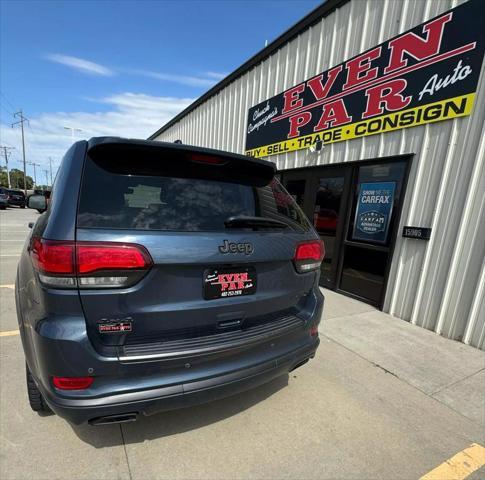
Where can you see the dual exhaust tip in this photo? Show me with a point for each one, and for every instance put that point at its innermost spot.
(110, 419)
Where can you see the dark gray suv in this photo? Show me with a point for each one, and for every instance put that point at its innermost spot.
(162, 276)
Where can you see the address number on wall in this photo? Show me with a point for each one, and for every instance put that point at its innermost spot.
(420, 233)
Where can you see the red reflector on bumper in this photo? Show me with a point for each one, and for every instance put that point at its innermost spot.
(72, 383)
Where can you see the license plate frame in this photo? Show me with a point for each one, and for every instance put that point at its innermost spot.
(228, 282)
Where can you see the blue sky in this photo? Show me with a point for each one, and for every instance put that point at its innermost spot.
(121, 67)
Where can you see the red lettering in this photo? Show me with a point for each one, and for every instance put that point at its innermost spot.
(334, 114)
(297, 121)
(358, 69)
(240, 285)
(292, 98)
(419, 48)
(388, 94)
(224, 286)
(321, 91)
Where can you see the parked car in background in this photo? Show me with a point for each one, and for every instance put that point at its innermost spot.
(162, 276)
(16, 198)
(3, 200)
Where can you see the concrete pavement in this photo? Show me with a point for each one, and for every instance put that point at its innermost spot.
(448, 371)
(382, 399)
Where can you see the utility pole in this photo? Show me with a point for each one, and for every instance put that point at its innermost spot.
(23, 119)
(46, 177)
(35, 174)
(7, 153)
(50, 167)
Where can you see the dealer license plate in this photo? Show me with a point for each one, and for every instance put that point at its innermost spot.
(229, 282)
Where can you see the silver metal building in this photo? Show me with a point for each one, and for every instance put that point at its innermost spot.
(421, 258)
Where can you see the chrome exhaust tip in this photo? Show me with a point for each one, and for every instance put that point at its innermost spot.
(110, 419)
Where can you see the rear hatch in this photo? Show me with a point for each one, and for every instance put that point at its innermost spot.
(214, 235)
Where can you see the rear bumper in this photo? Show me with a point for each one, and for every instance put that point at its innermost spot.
(60, 346)
(148, 402)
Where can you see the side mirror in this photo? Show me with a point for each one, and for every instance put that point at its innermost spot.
(37, 202)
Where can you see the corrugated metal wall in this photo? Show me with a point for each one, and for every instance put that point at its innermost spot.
(439, 284)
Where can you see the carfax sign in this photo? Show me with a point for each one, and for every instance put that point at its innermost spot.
(427, 74)
(374, 210)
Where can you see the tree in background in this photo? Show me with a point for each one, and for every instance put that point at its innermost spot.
(16, 179)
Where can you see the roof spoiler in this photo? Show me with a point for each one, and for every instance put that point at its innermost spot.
(150, 158)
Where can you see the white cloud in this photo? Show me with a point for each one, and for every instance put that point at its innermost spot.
(189, 80)
(132, 115)
(82, 65)
(216, 75)
(207, 79)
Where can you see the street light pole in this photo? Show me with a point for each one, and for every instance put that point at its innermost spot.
(73, 129)
(21, 122)
(50, 168)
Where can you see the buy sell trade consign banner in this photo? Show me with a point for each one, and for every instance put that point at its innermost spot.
(427, 74)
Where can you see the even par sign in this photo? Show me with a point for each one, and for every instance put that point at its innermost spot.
(427, 74)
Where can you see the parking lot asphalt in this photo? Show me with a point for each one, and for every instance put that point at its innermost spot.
(341, 416)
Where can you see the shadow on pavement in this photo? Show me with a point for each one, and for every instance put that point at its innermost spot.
(177, 421)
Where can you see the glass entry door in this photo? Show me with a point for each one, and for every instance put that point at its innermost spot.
(328, 216)
(376, 200)
(355, 209)
(323, 197)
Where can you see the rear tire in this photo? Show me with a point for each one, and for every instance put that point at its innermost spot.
(36, 400)
(22, 206)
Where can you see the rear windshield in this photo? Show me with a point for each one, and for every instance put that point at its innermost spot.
(139, 202)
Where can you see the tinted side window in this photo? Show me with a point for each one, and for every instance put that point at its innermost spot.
(275, 202)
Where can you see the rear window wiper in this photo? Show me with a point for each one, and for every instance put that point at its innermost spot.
(253, 222)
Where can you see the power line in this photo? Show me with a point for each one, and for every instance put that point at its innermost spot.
(5, 110)
(7, 100)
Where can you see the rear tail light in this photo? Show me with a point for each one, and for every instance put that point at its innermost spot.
(89, 264)
(54, 261)
(314, 331)
(309, 256)
(92, 257)
(72, 383)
